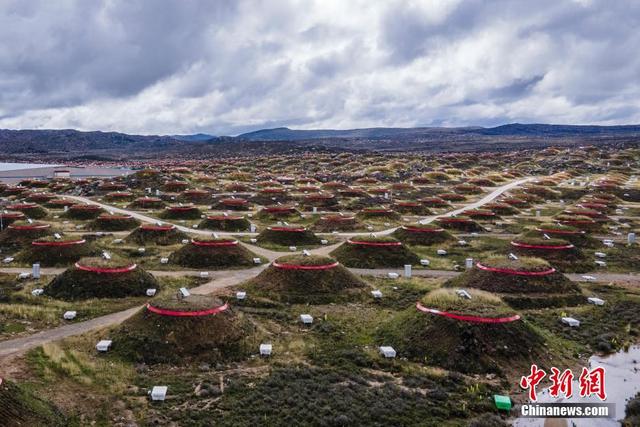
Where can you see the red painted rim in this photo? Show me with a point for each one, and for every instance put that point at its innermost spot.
(29, 227)
(516, 272)
(286, 266)
(106, 270)
(550, 247)
(293, 230)
(174, 313)
(359, 242)
(85, 208)
(181, 208)
(422, 230)
(12, 215)
(279, 209)
(219, 243)
(19, 206)
(114, 217)
(234, 202)
(66, 243)
(465, 318)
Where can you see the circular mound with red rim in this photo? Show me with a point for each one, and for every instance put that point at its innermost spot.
(419, 234)
(49, 251)
(459, 223)
(562, 254)
(213, 254)
(178, 330)
(83, 211)
(291, 235)
(473, 336)
(523, 283)
(379, 212)
(277, 211)
(165, 234)
(374, 252)
(147, 203)
(298, 278)
(225, 223)
(101, 278)
(181, 212)
(328, 223)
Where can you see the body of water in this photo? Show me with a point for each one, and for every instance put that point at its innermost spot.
(23, 166)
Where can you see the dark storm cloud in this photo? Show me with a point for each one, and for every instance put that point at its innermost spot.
(226, 67)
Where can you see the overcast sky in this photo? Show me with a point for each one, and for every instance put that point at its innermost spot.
(166, 67)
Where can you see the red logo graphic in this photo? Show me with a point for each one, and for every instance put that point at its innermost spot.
(591, 382)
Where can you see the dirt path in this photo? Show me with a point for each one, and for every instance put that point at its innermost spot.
(220, 279)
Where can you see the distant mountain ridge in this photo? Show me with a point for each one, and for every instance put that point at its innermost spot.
(512, 129)
(73, 144)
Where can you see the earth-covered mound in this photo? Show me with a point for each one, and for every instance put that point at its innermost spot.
(49, 251)
(147, 203)
(329, 223)
(410, 207)
(181, 212)
(20, 408)
(374, 252)
(288, 235)
(278, 212)
(522, 283)
(571, 234)
(21, 233)
(109, 222)
(8, 218)
(378, 213)
(579, 221)
(298, 278)
(477, 335)
(459, 223)
(225, 223)
(83, 212)
(101, 278)
(419, 234)
(175, 330)
(560, 253)
(30, 210)
(162, 235)
(213, 253)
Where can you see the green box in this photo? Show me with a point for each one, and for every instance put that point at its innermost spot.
(502, 402)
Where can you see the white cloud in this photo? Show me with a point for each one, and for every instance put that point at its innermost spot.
(226, 67)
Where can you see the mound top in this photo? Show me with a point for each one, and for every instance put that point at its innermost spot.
(213, 253)
(165, 234)
(523, 283)
(288, 235)
(101, 278)
(374, 252)
(419, 234)
(225, 223)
